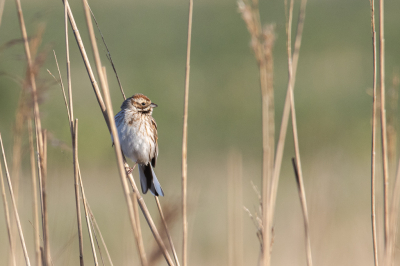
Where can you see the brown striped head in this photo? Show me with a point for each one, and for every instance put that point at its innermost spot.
(139, 103)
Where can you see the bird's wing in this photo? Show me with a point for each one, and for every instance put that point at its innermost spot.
(119, 118)
(155, 140)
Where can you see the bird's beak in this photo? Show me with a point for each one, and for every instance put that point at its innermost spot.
(153, 105)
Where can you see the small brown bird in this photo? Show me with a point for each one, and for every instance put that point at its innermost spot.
(137, 132)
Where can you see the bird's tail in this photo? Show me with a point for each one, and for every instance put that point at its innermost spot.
(148, 180)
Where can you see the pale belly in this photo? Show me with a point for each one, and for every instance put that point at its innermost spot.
(135, 143)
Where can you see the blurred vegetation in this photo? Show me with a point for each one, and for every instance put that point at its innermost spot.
(147, 41)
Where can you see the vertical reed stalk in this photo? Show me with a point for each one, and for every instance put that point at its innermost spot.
(35, 210)
(383, 123)
(47, 258)
(167, 231)
(373, 148)
(31, 77)
(40, 192)
(1, 9)
(184, 139)
(394, 217)
(96, 54)
(38, 129)
(303, 201)
(286, 112)
(69, 80)
(62, 87)
(77, 194)
(86, 62)
(70, 111)
(268, 129)
(7, 215)
(76, 162)
(139, 237)
(297, 162)
(262, 43)
(21, 235)
(148, 218)
(108, 53)
(92, 218)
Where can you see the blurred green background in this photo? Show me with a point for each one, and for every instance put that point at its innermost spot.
(147, 41)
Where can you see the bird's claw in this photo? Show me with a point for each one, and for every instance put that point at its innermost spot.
(130, 169)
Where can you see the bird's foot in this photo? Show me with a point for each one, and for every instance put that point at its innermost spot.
(130, 169)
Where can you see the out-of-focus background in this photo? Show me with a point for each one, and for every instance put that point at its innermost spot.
(147, 41)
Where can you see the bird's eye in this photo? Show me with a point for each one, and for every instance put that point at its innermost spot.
(143, 104)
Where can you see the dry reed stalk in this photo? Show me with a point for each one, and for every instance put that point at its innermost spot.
(373, 148)
(262, 43)
(99, 98)
(303, 201)
(148, 218)
(77, 194)
(92, 218)
(167, 231)
(76, 162)
(138, 227)
(235, 203)
(70, 111)
(7, 215)
(95, 49)
(34, 195)
(297, 162)
(23, 111)
(108, 53)
(106, 80)
(31, 78)
(74, 137)
(392, 140)
(184, 138)
(1, 9)
(17, 138)
(258, 223)
(45, 151)
(286, 112)
(86, 62)
(46, 245)
(138, 232)
(394, 213)
(383, 123)
(392, 123)
(61, 86)
(95, 237)
(38, 129)
(268, 126)
(40, 182)
(39, 172)
(171, 215)
(21, 235)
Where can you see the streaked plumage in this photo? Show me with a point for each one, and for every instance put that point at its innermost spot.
(137, 132)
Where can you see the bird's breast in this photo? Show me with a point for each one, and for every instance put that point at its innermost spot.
(135, 137)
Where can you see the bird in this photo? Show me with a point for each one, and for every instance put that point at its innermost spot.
(137, 133)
